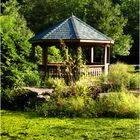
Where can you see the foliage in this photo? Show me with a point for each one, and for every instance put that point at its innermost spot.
(61, 107)
(29, 126)
(72, 63)
(107, 18)
(82, 89)
(107, 105)
(134, 81)
(130, 10)
(101, 14)
(118, 105)
(49, 12)
(121, 76)
(67, 107)
(118, 76)
(15, 46)
(54, 55)
(54, 82)
(14, 99)
(32, 78)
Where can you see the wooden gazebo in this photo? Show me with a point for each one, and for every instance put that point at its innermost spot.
(74, 33)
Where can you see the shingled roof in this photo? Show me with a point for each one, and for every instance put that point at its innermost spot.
(72, 29)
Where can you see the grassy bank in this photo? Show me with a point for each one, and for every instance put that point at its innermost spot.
(17, 125)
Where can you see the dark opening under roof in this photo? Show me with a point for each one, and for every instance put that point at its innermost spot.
(72, 29)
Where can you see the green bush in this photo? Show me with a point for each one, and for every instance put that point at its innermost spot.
(54, 82)
(59, 86)
(81, 88)
(107, 105)
(68, 107)
(32, 78)
(14, 98)
(54, 55)
(134, 81)
(118, 105)
(118, 76)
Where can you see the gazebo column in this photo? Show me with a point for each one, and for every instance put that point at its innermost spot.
(79, 62)
(44, 59)
(33, 53)
(108, 55)
(105, 61)
(92, 54)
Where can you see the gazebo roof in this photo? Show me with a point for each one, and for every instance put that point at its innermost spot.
(72, 29)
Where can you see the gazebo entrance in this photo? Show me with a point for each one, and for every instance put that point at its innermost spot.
(75, 33)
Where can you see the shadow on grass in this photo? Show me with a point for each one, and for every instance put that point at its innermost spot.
(28, 115)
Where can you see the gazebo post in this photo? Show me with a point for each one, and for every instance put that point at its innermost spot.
(108, 58)
(33, 52)
(92, 54)
(105, 61)
(44, 60)
(79, 61)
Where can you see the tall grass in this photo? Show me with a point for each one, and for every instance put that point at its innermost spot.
(118, 76)
(134, 81)
(115, 104)
(119, 104)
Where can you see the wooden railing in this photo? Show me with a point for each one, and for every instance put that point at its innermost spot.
(54, 70)
(91, 71)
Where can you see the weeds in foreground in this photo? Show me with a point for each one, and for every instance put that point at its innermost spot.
(107, 105)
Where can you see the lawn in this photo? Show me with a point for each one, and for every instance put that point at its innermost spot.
(26, 126)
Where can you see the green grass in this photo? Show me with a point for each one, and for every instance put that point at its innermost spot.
(26, 126)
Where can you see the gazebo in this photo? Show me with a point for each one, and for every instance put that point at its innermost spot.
(74, 33)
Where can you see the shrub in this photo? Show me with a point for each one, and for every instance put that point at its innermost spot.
(134, 81)
(54, 55)
(55, 82)
(81, 88)
(32, 78)
(14, 98)
(118, 105)
(61, 89)
(118, 76)
(67, 107)
(107, 105)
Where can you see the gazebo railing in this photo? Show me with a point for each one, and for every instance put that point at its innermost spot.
(91, 70)
(57, 71)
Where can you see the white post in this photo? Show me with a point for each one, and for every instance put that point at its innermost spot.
(92, 55)
(105, 61)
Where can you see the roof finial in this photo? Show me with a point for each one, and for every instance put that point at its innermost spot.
(72, 14)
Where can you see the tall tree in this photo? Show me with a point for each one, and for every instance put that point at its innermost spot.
(15, 46)
(101, 14)
(130, 10)
(106, 17)
(45, 13)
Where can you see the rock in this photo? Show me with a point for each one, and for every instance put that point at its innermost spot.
(41, 93)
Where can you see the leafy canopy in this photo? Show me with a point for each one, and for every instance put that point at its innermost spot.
(15, 46)
(103, 15)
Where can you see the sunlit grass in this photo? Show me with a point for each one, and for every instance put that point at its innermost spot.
(17, 125)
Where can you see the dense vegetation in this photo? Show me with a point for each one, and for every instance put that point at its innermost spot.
(106, 96)
(101, 14)
(82, 99)
(18, 69)
(88, 97)
(110, 17)
(17, 125)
